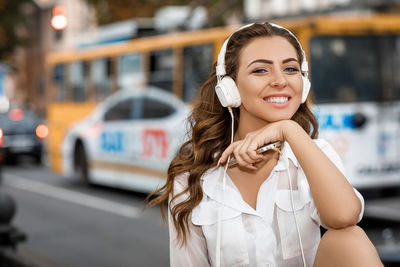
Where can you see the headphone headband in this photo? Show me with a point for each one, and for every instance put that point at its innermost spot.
(220, 69)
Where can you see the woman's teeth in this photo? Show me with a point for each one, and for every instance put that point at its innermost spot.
(278, 100)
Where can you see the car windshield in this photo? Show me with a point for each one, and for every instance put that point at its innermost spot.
(18, 121)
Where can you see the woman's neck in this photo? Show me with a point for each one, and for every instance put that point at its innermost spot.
(248, 123)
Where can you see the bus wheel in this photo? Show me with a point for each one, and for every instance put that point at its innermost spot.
(81, 165)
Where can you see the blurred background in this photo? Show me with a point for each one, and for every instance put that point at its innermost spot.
(94, 94)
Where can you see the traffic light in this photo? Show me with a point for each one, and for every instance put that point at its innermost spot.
(59, 19)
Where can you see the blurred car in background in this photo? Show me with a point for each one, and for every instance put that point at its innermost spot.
(128, 141)
(21, 133)
(1, 155)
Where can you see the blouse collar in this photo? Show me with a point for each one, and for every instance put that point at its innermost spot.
(213, 188)
(213, 184)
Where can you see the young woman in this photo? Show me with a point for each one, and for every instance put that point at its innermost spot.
(265, 210)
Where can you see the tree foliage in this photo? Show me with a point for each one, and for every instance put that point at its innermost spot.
(109, 11)
(11, 19)
(116, 10)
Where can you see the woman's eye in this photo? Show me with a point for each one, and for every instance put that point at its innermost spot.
(259, 71)
(291, 69)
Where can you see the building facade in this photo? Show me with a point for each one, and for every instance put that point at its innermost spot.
(256, 10)
(28, 73)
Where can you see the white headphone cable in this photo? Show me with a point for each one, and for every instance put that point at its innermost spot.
(219, 216)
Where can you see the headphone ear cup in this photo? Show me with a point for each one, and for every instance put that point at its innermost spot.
(228, 93)
(306, 88)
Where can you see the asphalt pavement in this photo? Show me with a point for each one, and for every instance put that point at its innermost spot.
(69, 224)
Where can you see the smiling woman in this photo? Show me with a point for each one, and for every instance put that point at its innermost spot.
(268, 208)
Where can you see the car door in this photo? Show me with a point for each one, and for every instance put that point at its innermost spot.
(159, 127)
(113, 144)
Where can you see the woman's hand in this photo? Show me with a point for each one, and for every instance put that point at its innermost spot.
(244, 150)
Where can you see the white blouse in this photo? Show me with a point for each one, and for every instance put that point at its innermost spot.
(266, 236)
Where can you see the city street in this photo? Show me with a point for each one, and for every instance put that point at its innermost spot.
(69, 224)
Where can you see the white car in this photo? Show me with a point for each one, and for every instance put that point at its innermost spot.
(128, 141)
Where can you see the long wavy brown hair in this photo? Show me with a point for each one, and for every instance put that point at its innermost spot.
(210, 130)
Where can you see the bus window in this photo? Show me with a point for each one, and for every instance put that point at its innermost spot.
(100, 73)
(161, 69)
(197, 64)
(59, 82)
(77, 79)
(390, 60)
(130, 70)
(396, 66)
(345, 69)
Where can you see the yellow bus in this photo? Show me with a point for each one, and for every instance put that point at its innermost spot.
(355, 70)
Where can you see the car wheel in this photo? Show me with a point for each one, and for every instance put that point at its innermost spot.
(10, 159)
(38, 158)
(81, 164)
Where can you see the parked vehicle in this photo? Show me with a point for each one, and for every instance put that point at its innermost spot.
(128, 141)
(1, 154)
(22, 133)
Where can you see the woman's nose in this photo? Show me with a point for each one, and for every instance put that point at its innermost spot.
(278, 79)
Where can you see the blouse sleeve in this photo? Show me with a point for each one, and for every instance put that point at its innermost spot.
(194, 252)
(335, 158)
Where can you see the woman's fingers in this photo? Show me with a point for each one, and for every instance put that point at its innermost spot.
(248, 150)
(244, 150)
(226, 154)
(244, 155)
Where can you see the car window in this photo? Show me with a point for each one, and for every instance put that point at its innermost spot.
(27, 121)
(155, 109)
(120, 111)
(139, 108)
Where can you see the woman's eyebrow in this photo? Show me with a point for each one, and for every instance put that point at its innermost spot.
(267, 61)
(289, 60)
(261, 61)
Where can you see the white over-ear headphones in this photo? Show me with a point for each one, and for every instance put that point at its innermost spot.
(226, 89)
